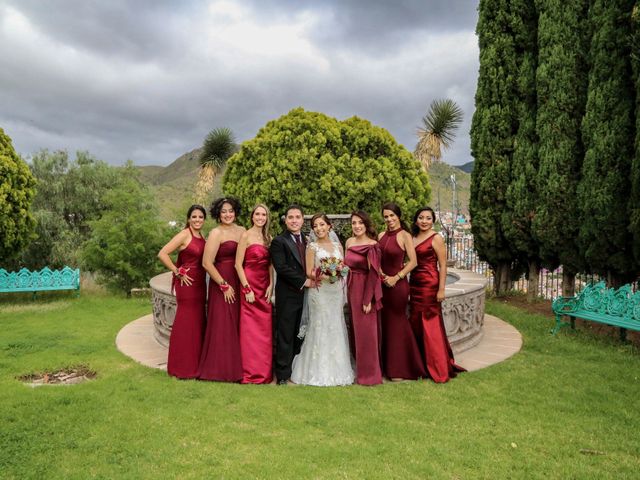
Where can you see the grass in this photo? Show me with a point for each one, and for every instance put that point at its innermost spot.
(564, 407)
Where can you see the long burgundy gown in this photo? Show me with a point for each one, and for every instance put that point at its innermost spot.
(400, 353)
(185, 342)
(220, 358)
(426, 316)
(256, 327)
(364, 288)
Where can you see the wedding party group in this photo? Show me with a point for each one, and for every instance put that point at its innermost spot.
(392, 282)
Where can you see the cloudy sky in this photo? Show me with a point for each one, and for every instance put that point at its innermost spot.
(147, 79)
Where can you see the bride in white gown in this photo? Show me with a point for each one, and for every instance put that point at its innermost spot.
(324, 359)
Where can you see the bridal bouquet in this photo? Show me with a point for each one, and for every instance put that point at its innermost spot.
(333, 267)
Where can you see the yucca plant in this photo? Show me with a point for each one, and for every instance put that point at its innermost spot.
(218, 146)
(438, 130)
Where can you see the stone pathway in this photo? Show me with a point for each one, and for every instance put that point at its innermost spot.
(136, 341)
(500, 341)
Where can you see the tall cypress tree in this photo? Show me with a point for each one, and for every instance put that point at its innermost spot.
(521, 194)
(493, 129)
(608, 135)
(634, 203)
(561, 80)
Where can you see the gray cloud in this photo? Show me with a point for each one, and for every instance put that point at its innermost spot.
(147, 80)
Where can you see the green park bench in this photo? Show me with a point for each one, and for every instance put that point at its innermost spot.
(617, 307)
(42, 281)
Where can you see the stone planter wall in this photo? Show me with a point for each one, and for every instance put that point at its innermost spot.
(463, 308)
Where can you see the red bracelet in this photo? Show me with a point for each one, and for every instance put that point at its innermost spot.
(224, 287)
(247, 289)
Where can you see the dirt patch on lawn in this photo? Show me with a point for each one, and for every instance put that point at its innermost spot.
(65, 376)
(539, 307)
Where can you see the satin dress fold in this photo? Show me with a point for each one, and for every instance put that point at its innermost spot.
(364, 288)
(185, 342)
(400, 353)
(426, 316)
(256, 321)
(220, 359)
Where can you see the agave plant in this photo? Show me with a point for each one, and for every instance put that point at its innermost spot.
(438, 130)
(218, 146)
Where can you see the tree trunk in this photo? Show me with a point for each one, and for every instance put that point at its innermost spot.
(534, 277)
(496, 280)
(568, 283)
(502, 278)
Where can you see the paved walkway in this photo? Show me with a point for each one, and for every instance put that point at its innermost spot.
(136, 341)
(500, 341)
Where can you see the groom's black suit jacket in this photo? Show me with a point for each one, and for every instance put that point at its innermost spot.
(288, 265)
(289, 300)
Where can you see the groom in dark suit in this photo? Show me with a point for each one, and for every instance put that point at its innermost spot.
(288, 257)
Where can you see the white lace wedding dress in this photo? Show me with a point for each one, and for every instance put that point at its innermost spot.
(325, 359)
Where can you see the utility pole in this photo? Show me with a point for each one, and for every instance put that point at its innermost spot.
(453, 202)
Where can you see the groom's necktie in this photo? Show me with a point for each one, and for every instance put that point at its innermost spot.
(300, 247)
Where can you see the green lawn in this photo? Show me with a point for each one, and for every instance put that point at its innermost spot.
(564, 407)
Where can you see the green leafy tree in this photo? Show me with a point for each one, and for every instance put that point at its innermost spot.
(325, 165)
(634, 203)
(608, 132)
(70, 194)
(126, 239)
(17, 189)
(438, 130)
(522, 195)
(493, 132)
(561, 80)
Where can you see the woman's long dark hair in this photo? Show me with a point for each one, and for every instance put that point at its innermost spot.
(395, 209)
(323, 216)
(368, 224)
(218, 203)
(192, 208)
(414, 228)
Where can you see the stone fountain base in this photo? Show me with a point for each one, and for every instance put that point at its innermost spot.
(463, 308)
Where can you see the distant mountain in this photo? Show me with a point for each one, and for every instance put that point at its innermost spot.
(442, 187)
(184, 166)
(467, 167)
(173, 185)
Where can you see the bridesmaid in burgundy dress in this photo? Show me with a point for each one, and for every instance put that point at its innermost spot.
(365, 298)
(220, 358)
(189, 283)
(401, 357)
(253, 264)
(427, 292)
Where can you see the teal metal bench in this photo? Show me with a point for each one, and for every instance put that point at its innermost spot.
(617, 307)
(44, 280)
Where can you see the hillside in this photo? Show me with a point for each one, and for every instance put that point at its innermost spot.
(441, 187)
(173, 185)
(467, 167)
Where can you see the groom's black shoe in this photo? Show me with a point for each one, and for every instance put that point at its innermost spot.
(282, 381)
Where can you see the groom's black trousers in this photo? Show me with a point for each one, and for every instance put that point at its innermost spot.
(289, 305)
